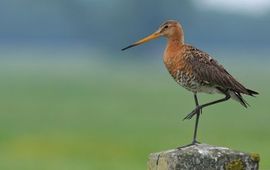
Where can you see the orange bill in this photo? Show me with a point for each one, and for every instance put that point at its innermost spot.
(146, 39)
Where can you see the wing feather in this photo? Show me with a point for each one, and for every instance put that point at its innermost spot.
(207, 69)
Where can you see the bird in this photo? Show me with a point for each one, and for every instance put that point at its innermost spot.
(195, 70)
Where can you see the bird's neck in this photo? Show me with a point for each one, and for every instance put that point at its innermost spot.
(177, 37)
(175, 40)
(172, 57)
(173, 45)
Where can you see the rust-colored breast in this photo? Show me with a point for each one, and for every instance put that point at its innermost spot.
(176, 61)
(175, 58)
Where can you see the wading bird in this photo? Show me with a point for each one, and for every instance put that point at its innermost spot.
(195, 70)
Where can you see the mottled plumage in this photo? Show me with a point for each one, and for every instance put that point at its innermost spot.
(195, 70)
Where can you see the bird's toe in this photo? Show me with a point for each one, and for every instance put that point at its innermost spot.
(197, 110)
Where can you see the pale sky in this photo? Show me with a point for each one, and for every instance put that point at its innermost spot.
(242, 7)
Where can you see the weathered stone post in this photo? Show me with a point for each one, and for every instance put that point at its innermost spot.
(203, 157)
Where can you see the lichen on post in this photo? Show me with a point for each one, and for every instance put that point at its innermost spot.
(203, 156)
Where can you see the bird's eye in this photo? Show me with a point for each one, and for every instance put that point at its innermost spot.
(166, 26)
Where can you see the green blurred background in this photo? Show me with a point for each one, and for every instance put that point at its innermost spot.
(70, 99)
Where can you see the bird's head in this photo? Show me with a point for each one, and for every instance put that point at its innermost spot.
(170, 29)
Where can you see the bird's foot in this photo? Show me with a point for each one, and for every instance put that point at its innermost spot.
(197, 110)
(194, 142)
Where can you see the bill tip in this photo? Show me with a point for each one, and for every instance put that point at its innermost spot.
(128, 47)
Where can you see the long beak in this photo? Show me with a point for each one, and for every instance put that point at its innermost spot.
(146, 39)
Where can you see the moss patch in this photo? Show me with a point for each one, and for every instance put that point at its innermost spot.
(255, 157)
(235, 165)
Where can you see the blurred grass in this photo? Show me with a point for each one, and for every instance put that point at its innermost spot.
(95, 115)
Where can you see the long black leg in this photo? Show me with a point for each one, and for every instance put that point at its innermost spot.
(198, 111)
(199, 107)
(197, 120)
(194, 141)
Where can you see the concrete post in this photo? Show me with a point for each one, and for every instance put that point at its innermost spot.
(203, 156)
